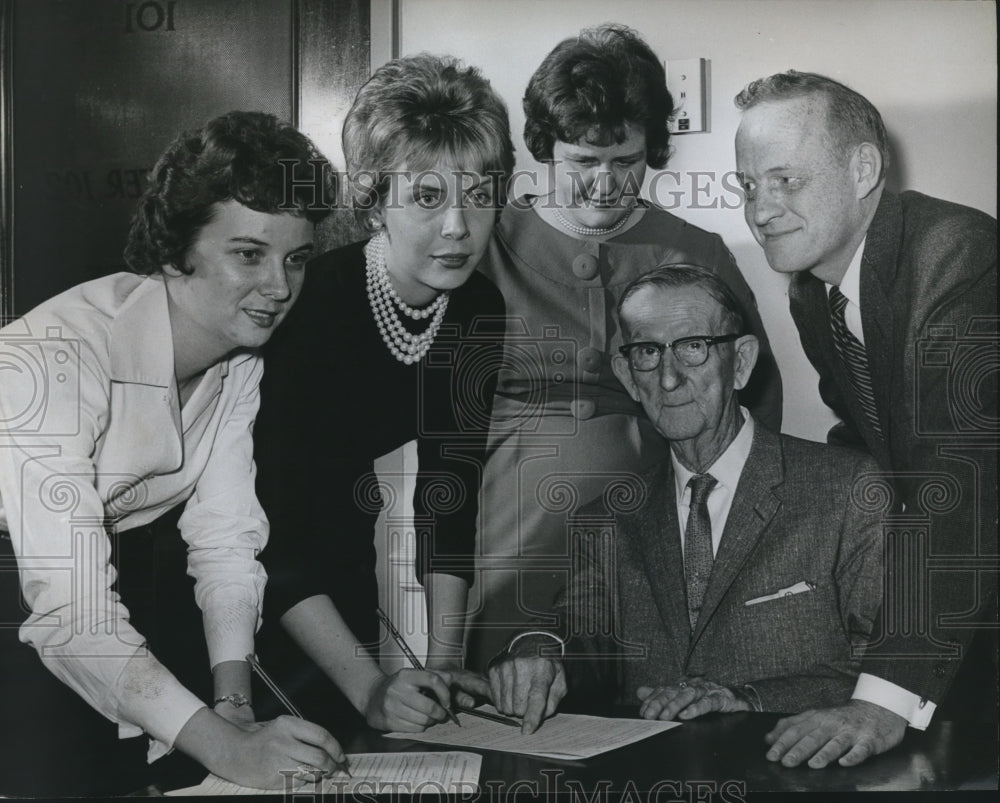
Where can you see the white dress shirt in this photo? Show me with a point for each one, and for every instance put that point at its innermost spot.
(850, 286)
(727, 470)
(92, 434)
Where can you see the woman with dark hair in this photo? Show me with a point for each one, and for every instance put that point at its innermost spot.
(397, 338)
(564, 430)
(121, 398)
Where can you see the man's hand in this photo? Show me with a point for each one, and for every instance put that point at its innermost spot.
(688, 699)
(410, 701)
(851, 732)
(528, 687)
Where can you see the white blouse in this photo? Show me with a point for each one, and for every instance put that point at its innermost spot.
(91, 437)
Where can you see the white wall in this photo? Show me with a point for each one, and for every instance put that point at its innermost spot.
(928, 65)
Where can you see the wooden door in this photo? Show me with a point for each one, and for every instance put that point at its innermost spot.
(93, 90)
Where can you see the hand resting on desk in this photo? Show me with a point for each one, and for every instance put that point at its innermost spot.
(689, 699)
(850, 733)
(526, 685)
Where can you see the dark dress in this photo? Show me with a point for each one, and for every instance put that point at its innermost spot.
(333, 399)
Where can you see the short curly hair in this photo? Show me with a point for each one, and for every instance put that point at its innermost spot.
(249, 157)
(420, 112)
(591, 87)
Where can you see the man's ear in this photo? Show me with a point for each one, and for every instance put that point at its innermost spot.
(866, 167)
(620, 366)
(747, 351)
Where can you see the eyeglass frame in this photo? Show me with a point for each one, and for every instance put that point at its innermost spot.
(710, 340)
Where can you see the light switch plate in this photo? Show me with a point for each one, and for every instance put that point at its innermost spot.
(688, 82)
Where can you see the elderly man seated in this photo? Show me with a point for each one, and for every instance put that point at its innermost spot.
(748, 575)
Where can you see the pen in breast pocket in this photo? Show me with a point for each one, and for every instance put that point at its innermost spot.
(798, 588)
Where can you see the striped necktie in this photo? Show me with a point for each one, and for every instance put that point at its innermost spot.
(854, 357)
(698, 557)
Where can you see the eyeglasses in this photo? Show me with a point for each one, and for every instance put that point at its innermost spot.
(645, 355)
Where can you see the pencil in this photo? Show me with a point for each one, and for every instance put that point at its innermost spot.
(256, 667)
(475, 712)
(401, 643)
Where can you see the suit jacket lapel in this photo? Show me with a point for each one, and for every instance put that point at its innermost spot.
(658, 535)
(812, 294)
(878, 274)
(876, 316)
(754, 505)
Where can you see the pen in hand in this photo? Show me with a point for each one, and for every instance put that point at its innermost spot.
(256, 667)
(414, 661)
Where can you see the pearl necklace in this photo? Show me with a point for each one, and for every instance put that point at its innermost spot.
(591, 231)
(384, 300)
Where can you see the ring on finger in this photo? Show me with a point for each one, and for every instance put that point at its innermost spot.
(310, 773)
(682, 684)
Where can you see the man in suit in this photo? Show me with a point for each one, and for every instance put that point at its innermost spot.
(894, 297)
(744, 576)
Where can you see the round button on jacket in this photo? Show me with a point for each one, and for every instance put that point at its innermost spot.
(585, 266)
(588, 359)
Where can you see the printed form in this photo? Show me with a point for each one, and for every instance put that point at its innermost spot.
(564, 736)
(450, 772)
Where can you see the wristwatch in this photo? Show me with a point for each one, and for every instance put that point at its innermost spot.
(747, 694)
(235, 700)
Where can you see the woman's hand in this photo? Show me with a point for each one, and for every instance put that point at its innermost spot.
(410, 701)
(465, 685)
(242, 717)
(264, 756)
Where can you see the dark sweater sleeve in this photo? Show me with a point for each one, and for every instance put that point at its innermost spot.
(306, 470)
(282, 438)
(458, 379)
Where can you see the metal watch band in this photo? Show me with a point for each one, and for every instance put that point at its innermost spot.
(235, 700)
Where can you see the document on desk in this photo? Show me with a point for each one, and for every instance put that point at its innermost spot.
(564, 736)
(451, 772)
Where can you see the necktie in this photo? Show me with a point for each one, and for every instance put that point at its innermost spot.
(854, 357)
(698, 544)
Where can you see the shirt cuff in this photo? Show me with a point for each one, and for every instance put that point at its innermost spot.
(230, 637)
(914, 709)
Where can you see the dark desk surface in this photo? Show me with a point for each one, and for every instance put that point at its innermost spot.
(721, 758)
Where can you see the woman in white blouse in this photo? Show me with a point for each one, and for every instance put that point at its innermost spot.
(121, 398)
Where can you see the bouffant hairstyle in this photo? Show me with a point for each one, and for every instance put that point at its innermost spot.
(591, 87)
(851, 117)
(421, 112)
(249, 157)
